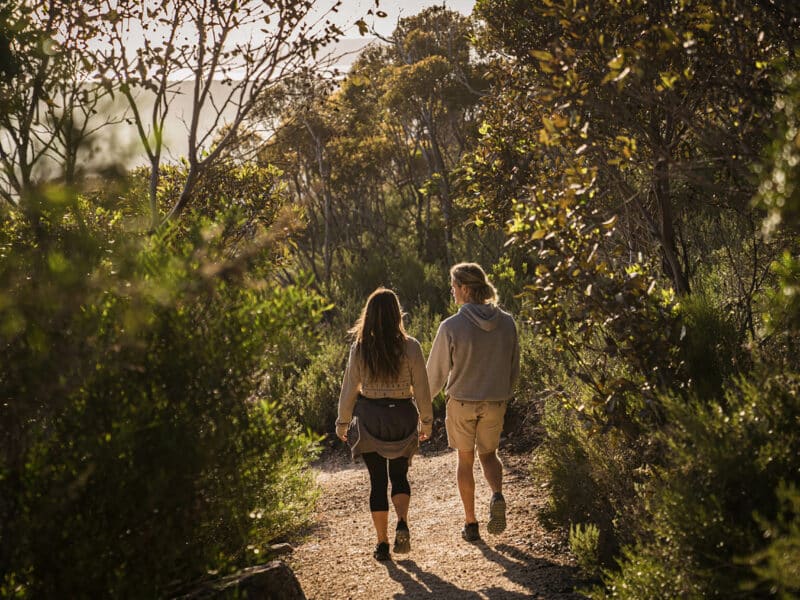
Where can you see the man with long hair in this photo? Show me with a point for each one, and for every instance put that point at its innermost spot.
(475, 357)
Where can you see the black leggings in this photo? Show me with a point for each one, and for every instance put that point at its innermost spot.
(378, 480)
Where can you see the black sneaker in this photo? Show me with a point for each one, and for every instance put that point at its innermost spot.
(497, 514)
(382, 551)
(470, 532)
(402, 538)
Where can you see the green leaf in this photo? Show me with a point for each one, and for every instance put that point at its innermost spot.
(617, 62)
(542, 55)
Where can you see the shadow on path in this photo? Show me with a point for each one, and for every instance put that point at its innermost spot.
(543, 578)
(421, 584)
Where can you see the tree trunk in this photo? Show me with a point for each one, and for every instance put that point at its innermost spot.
(666, 228)
(153, 195)
(445, 194)
(327, 253)
(192, 176)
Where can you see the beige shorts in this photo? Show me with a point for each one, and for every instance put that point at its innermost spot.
(474, 424)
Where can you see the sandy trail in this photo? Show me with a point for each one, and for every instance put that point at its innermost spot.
(526, 561)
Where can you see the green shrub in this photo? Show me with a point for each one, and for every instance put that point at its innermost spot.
(584, 542)
(314, 398)
(778, 565)
(592, 478)
(137, 453)
(725, 461)
(711, 348)
(417, 284)
(645, 576)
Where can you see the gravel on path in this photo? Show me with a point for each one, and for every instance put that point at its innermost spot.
(526, 561)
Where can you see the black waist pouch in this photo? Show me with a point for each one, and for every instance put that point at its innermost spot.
(387, 419)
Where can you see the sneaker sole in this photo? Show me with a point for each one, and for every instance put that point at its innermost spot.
(497, 517)
(470, 537)
(402, 542)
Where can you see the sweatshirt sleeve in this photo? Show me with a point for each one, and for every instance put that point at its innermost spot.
(351, 385)
(515, 360)
(438, 366)
(422, 392)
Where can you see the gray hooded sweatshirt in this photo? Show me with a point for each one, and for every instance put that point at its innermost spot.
(475, 355)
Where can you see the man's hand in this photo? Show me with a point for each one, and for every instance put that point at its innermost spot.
(422, 435)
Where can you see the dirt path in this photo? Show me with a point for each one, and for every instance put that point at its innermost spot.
(335, 561)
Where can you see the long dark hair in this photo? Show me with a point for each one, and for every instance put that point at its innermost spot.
(379, 334)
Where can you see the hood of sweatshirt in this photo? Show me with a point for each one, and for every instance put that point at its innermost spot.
(484, 316)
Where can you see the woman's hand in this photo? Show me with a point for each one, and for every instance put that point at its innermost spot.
(341, 431)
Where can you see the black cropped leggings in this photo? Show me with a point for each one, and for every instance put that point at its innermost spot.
(379, 481)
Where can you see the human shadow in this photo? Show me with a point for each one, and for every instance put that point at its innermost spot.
(421, 584)
(543, 578)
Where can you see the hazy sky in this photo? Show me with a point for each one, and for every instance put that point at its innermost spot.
(123, 137)
(352, 10)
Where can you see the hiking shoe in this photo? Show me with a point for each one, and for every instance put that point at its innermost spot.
(382, 551)
(402, 538)
(470, 532)
(497, 514)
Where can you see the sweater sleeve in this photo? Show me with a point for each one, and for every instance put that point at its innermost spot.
(438, 366)
(515, 360)
(351, 385)
(422, 392)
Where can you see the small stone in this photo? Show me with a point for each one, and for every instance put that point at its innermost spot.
(279, 549)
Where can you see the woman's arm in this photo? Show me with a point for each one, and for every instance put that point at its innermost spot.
(351, 385)
(422, 392)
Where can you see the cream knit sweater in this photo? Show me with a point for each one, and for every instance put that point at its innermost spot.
(475, 355)
(413, 381)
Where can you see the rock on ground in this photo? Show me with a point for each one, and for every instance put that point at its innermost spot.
(272, 581)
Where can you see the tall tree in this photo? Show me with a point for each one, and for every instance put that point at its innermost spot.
(431, 92)
(674, 98)
(48, 107)
(247, 46)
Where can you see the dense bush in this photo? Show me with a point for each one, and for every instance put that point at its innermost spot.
(712, 348)
(313, 398)
(776, 565)
(394, 265)
(705, 509)
(137, 453)
(592, 478)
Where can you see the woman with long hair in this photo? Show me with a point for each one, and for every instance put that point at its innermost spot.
(385, 410)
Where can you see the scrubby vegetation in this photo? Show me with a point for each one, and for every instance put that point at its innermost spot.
(173, 338)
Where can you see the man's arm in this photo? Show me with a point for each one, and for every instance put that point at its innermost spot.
(438, 365)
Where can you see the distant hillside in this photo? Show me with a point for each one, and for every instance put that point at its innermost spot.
(120, 143)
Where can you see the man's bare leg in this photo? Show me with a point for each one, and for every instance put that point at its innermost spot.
(492, 470)
(466, 483)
